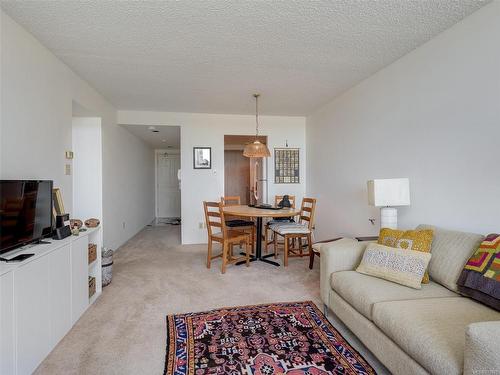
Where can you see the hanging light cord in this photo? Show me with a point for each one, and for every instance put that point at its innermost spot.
(256, 115)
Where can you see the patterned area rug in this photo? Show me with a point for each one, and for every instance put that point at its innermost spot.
(283, 338)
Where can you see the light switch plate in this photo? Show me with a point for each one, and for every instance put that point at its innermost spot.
(67, 169)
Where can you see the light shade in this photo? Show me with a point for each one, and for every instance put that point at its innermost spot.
(389, 192)
(256, 150)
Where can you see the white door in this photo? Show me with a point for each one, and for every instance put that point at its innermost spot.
(168, 194)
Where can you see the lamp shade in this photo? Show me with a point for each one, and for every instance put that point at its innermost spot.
(389, 192)
(256, 150)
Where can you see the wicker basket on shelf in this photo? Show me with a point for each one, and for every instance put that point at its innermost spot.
(91, 286)
(92, 252)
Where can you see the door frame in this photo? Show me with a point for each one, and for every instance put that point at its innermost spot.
(238, 142)
(157, 152)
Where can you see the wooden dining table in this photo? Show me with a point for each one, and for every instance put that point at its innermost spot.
(259, 214)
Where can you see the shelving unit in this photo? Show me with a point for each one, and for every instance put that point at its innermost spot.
(94, 269)
(42, 297)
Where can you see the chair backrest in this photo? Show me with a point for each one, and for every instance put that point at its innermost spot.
(278, 198)
(214, 217)
(231, 200)
(307, 211)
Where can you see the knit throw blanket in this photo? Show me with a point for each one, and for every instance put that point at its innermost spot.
(480, 278)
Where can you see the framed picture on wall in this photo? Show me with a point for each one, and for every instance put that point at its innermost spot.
(202, 157)
(286, 166)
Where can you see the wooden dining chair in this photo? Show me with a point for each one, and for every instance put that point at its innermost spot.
(219, 232)
(236, 222)
(268, 240)
(296, 231)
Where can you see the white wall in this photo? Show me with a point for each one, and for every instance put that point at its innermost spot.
(128, 184)
(37, 91)
(87, 167)
(432, 116)
(199, 129)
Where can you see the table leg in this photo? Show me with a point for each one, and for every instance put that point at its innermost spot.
(258, 247)
(258, 240)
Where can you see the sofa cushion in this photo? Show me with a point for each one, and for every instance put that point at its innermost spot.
(362, 291)
(450, 251)
(417, 240)
(432, 331)
(405, 267)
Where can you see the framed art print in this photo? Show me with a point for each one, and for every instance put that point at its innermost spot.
(286, 166)
(202, 157)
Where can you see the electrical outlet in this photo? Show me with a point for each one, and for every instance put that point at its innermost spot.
(123, 224)
(201, 225)
(67, 169)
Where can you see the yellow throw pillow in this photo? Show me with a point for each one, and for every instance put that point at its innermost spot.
(417, 240)
(389, 237)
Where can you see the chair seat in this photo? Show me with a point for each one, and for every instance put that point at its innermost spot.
(239, 223)
(280, 220)
(290, 228)
(231, 234)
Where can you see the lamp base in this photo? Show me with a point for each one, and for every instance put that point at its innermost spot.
(389, 218)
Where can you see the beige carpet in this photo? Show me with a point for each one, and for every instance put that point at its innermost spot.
(153, 275)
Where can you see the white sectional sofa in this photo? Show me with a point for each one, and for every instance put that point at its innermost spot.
(433, 330)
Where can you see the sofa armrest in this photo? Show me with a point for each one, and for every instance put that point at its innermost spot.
(342, 255)
(482, 348)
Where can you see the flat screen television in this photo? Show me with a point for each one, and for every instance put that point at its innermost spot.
(25, 212)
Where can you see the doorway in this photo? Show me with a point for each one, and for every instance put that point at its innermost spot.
(168, 192)
(86, 164)
(236, 175)
(165, 144)
(244, 177)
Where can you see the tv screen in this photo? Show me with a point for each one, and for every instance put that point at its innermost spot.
(25, 212)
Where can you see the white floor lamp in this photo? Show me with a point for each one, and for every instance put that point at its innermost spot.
(387, 193)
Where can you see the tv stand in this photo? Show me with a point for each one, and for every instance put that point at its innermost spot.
(17, 258)
(43, 296)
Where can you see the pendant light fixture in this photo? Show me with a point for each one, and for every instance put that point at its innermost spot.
(256, 149)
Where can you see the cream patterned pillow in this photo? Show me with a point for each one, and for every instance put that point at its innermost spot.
(405, 267)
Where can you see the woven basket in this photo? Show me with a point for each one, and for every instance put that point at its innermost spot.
(91, 286)
(107, 266)
(92, 252)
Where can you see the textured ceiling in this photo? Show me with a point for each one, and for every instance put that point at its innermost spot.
(166, 136)
(210, 56)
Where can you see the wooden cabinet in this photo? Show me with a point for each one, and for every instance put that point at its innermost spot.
(79, 277)
(7, 364)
